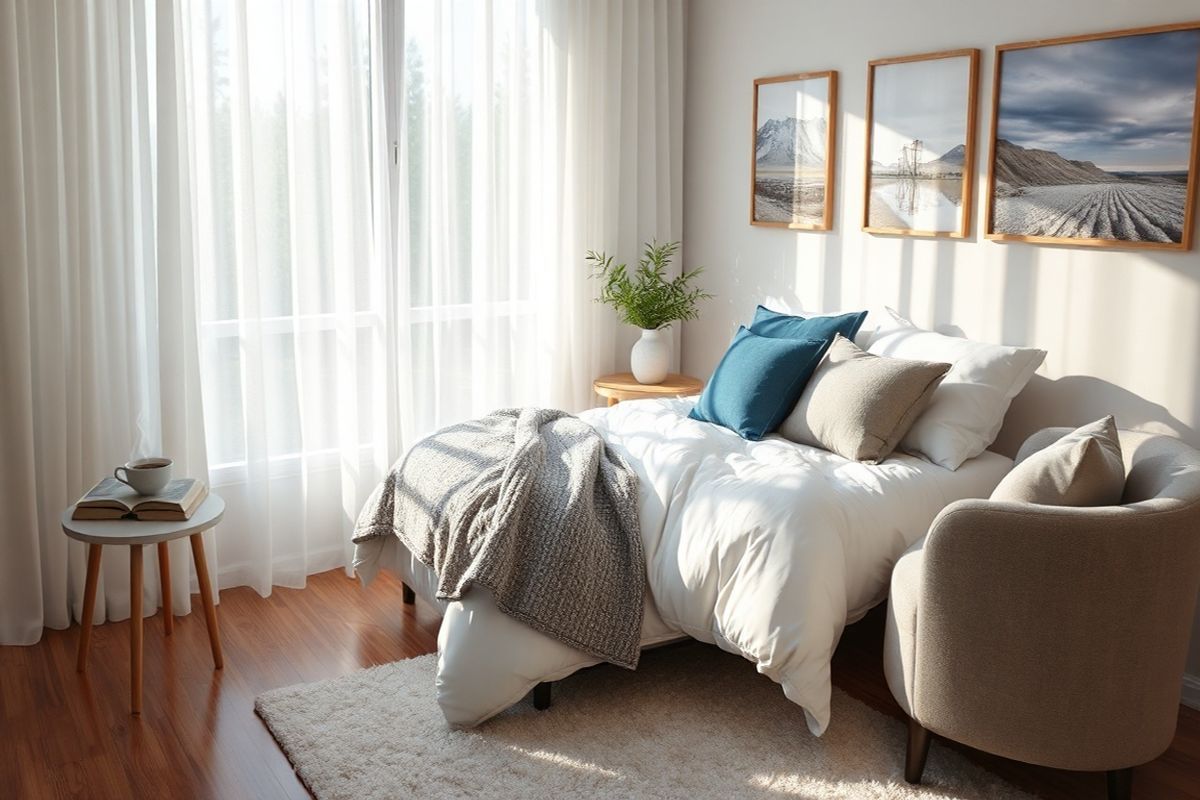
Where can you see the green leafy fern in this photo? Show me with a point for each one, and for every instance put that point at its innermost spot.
(645, 298)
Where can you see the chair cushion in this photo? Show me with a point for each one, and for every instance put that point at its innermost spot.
(757, 383)
(860, 405)
(900, 636)
(1083, 468)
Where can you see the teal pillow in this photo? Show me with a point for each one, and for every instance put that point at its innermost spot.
(758, 382)
(785, 326)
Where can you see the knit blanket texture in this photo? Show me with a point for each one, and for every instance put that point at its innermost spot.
(532, 505)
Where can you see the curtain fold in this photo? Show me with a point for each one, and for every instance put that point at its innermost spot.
(99, 358)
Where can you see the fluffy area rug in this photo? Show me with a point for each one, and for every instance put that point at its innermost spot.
(691, 722)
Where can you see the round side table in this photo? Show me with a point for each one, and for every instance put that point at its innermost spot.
(136, 534)
(623, 386)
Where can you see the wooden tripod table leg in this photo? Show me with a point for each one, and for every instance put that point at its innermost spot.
(210, 611)
(164, 582)
(89, 606)
(135, 625)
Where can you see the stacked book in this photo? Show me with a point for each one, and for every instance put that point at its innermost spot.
(111, 499)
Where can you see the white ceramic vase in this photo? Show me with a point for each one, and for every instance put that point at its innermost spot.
(651, 356)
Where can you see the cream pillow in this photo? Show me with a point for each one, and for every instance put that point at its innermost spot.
(859, 405)
(1083, 468)
(968, 406)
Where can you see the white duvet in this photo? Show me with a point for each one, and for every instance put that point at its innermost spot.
(766, 549)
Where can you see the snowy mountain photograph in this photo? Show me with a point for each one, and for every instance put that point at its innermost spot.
(921, 139)
(1093, 139)
(792, 138)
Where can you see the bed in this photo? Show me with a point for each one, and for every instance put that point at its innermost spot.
(766, 549)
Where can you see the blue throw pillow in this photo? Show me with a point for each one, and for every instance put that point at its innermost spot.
(758, 382)
(785, 326)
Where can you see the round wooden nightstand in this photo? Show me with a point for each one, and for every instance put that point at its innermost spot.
(135, 534)
(623, 386)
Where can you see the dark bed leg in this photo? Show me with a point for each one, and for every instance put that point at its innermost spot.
(918, 750)
(1120, 784)
(409, 595)
(541, 696)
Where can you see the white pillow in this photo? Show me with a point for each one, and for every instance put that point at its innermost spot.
(967, 409)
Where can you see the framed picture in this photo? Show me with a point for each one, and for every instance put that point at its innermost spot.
(921, 144)
(1094, 139)
(791, 169)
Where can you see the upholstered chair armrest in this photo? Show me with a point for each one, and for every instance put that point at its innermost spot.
(1055, 635)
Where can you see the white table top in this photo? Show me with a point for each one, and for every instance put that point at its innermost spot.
(139, 531)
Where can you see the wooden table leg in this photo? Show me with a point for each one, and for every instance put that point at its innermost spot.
(612, 401)
(164, 582)
(135, 625)
(89, 606)
(210, 612)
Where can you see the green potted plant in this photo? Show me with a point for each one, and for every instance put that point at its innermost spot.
(647, 299)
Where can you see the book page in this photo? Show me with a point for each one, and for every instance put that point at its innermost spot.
(174, 492)
(108, 492)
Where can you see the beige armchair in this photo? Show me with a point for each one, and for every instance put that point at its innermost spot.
(1053, 635)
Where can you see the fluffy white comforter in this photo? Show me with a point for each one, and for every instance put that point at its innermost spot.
(766, 549)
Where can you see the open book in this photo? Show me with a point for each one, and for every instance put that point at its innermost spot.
(111, 499)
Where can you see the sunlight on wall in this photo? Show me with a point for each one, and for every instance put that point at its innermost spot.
(1121, 327)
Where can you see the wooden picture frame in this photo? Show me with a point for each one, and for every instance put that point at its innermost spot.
(803, 175)
(1143, 208)
(914, 195)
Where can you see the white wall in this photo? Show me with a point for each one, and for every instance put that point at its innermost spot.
(1122, 328)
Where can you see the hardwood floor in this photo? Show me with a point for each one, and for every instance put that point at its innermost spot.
(64, 735)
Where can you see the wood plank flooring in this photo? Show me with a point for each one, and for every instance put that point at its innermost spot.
(63, 735)
(67, 736)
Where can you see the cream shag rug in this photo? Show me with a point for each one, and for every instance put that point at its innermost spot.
(691, 722)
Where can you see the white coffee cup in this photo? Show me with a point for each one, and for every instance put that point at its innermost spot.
(145, 475)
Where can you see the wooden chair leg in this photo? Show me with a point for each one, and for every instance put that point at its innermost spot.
(164, 582)
(409, 596)
(1120, 784)
(210, 611)
(89, 606)
(918, 751)
(135, 627)
(541, 696)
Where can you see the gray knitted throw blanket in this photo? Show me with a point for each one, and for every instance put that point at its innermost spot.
(532, 505)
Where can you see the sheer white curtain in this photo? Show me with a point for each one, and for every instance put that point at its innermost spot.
(393, 202)
(293, 298)
(530, 131)
(342, 224)
(97, 325)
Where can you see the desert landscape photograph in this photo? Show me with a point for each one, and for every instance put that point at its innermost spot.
(791, 158)
(920, 112)
(1093, 139)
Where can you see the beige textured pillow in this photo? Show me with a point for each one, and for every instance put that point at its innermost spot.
(860, 405)
(1083, 468)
